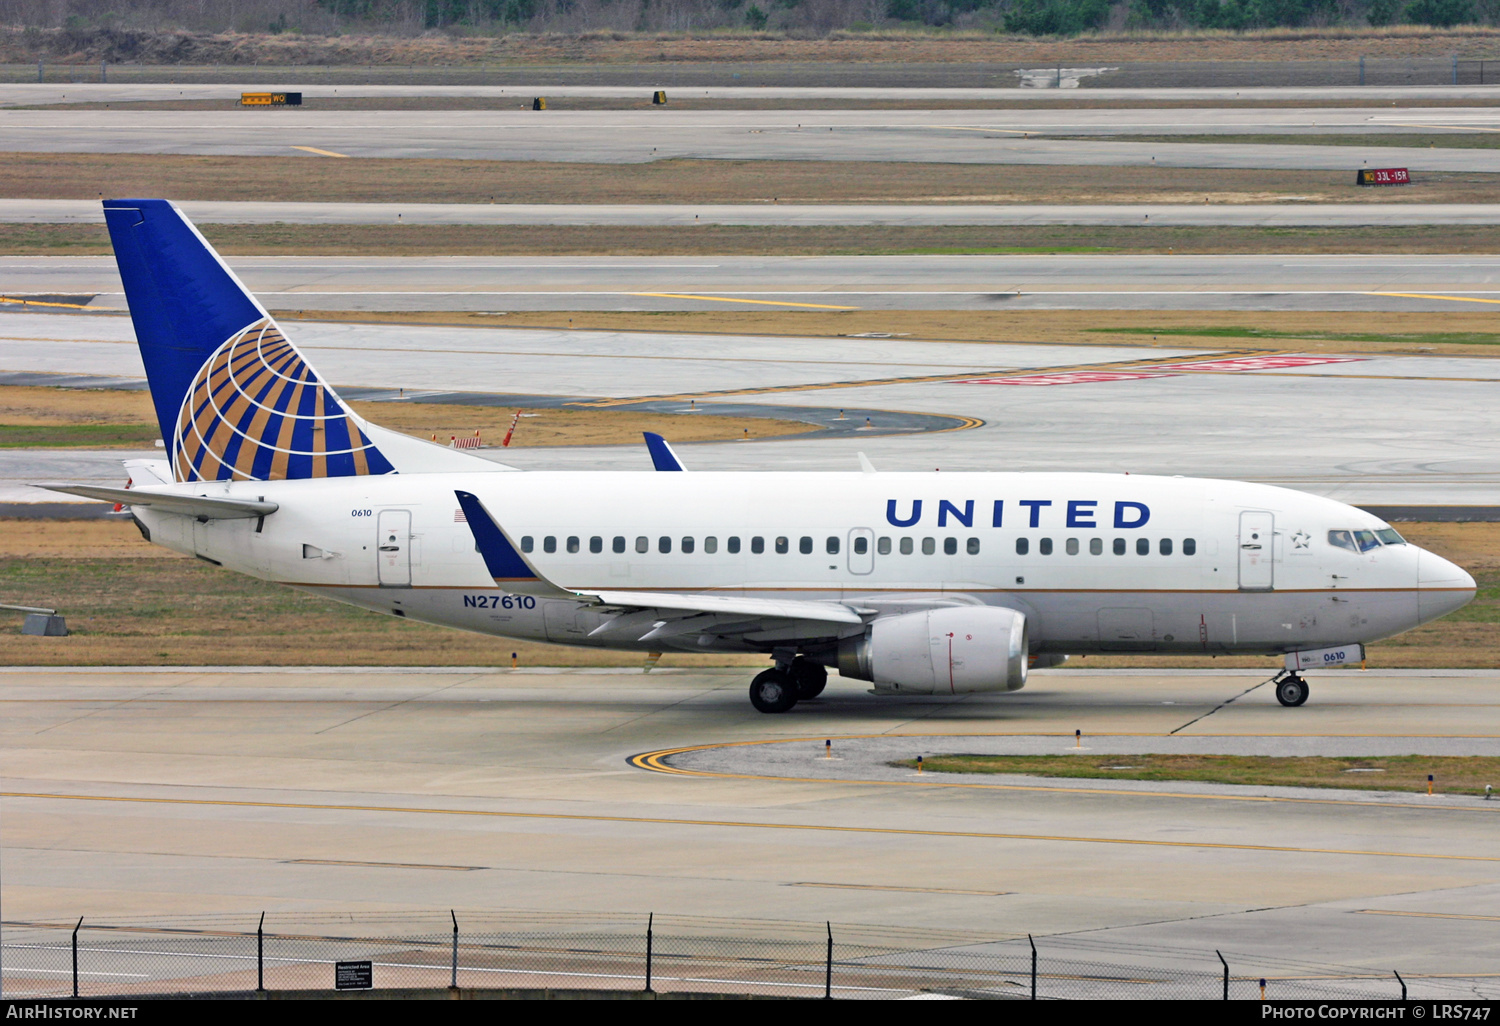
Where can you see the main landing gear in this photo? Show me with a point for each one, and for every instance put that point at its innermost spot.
(1290, 688)
(778, 689)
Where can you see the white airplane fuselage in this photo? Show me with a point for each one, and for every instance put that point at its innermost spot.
(1111, 563)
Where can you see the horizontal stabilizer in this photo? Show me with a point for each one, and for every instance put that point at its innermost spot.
(204, 507)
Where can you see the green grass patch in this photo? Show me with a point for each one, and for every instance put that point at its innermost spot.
(1453, 774)
(77, 436)
(1462, 338)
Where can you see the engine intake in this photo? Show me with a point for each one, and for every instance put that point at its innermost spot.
(949, 651)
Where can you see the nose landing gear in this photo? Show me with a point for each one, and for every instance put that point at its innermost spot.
(1291, 689)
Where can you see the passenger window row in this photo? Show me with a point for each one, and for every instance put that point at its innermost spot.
(781, 545)
(1119, 547)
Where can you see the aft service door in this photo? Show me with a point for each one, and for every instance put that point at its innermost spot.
(861, 550)
(393, 548)
(1257, 551)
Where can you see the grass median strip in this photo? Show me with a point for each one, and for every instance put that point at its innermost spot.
(1452, 774)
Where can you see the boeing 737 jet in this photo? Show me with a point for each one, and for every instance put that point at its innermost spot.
(917, 583)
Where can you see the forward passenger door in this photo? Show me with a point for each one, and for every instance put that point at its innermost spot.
(1257, 551)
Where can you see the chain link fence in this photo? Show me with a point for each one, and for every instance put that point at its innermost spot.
(623, 953)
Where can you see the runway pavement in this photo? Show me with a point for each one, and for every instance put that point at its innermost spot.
(1247, 215)
(1397, 430)
(639, 136)
(1081, 281)
(187, 792)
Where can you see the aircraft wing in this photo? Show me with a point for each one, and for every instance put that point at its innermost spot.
(203, 507)
(655, 614)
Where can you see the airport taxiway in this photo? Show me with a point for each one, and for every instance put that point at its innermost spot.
(640, 136)
(133, 792)
(920, 282)
(1369, 429)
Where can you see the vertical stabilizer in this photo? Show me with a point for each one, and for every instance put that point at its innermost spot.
(234, 398)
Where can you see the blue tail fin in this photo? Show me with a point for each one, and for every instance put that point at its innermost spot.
(235, 400)
(662, 456)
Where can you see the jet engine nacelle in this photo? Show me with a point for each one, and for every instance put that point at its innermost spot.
(948, 651)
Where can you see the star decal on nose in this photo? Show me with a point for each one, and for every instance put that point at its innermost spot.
(1300, 539)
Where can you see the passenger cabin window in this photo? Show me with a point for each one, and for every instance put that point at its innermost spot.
(687, 544)
(643, 544)
(664, 544)
(596, 544)
(1390, 537)
(1166, 547)
(1119, 547)
(549, 544)
(1071, 546)
(833, 545)
(619, 543)
(804, 545)
(710, 545)
(883, 546)
(757, 545)
(1367, 540)
(1023, 545)
(527, 544)
(950, 546)
(1143, 546)
(861, 546)
(1045, 547)
(734, 543)
(1189, 546)
(929, 546)
(906, 546)
(973, 546)
(1096, 546)
(783, 545)
(573, 543)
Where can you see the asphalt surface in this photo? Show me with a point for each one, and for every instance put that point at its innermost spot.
(649, 80)
(1392, 430)
(640, 136)
(205, 792)
(498, 284)
(1249, 215)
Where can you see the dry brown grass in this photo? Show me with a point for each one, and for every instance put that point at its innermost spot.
(133, 603)
(53, 408)
(308, 178)
(1051, 327)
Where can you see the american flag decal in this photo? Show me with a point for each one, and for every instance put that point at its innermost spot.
(459, 518)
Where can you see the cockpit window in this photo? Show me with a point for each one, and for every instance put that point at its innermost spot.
(1342, 540)
(1367, 540)
(1390, 537)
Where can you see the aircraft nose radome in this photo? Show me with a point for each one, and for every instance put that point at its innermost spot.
(1442, 586)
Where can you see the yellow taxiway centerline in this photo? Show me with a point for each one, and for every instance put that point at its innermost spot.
(730, 299)
(1419, 295)
(977, 835)
(321, 153)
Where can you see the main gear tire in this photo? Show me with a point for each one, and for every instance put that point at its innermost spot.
(809, 677)
(773, 692)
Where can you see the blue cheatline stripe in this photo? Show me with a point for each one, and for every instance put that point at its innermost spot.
(500, 558)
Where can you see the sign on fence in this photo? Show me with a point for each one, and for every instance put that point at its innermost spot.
(353, 976)
(1383, 176)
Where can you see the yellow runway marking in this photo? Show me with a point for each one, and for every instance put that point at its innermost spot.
(1426, 915)
(730, 299)
(654, 761)
(66, 306)
(1457, 128)
(321, 153)
(822, 828)
(1419, 295)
